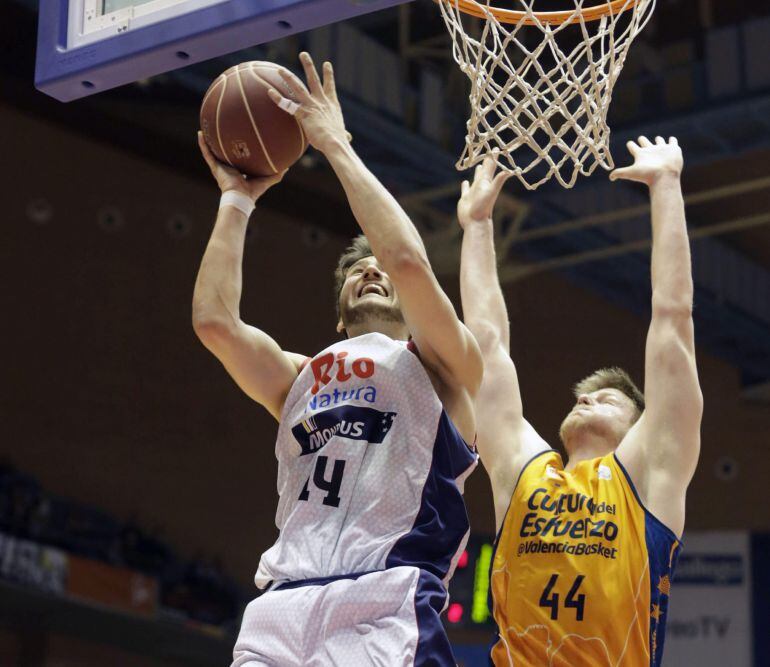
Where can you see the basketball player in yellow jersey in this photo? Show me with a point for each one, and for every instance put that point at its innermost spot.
(587, 545)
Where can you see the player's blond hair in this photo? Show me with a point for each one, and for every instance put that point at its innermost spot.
(611, 377)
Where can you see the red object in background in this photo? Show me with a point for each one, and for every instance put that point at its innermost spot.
(112, 586)
(455, 612)
(463, 560)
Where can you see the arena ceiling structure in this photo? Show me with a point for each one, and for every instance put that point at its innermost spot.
(699, 71)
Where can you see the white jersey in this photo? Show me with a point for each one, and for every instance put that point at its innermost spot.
(370, 468)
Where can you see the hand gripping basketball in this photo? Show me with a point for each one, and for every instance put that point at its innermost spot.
(318, 109)
(651, 161)
(228, 178)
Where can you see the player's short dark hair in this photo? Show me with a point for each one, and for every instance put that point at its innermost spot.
(357, 250)
(611, 378)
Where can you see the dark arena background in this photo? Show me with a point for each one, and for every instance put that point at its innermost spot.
(138, 484)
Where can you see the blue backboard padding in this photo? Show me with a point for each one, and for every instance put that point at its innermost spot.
(206, 33)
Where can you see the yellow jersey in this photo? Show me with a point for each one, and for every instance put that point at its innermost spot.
(581, 571)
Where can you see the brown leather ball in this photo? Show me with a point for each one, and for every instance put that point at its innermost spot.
(244, 127)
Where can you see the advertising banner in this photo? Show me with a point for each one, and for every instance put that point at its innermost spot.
(709, 619)
(55, 571)
(31, 564)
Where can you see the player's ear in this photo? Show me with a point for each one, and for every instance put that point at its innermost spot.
(340, 326)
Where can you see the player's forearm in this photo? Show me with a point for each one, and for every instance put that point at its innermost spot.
(390, 232)
(672, 285)
(482, 297)
(217, 295)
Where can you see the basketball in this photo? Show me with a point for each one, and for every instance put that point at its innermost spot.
(243, 126)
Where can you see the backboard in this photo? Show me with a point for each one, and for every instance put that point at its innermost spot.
(86, 46)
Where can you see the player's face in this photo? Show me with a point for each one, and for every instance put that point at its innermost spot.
(606, 413)
(368, 295)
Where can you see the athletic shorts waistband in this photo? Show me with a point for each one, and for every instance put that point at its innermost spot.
(319, 581)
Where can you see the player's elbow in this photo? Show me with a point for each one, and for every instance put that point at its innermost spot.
(671, 355)
(671, 328)
(675, 309)
(409, 262)
(696, 407)
(487, 335)
(213, 331)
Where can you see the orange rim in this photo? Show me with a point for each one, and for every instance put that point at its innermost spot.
(553, 18)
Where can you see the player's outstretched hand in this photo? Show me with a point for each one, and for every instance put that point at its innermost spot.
(317, 107)
(478, 200)
(231, 179)
(651, 161)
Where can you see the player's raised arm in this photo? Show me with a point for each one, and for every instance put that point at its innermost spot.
(445, 344)
(253, 359)
(506, 441)
(661, 452)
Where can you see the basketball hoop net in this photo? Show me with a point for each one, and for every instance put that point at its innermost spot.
(541, 82)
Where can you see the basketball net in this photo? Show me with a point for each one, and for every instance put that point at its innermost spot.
(541, 82)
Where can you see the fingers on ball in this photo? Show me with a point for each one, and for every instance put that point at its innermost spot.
(311, 75)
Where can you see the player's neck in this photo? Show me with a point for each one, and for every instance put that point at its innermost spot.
(584, 447)
(394, 330)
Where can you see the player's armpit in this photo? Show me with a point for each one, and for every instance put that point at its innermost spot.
(515, 444)
(506, 440)
(255, 361)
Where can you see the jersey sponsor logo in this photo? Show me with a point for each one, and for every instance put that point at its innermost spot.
(574, 549)
(367, 393)
(570, 516)
(347, 421)
(567, 502)
(533, 526)
(328, 367)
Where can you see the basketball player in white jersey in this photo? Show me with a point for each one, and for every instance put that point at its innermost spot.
(586, 548)
(372, 432)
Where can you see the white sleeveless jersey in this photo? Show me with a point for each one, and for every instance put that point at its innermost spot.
(370, 468)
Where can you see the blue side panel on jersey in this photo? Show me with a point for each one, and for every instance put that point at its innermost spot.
(663, 551)
(433, 647)
(472, 655)
(442, 520)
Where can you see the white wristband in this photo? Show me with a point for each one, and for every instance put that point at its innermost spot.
(238, 200)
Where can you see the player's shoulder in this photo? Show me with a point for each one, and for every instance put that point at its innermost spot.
(532, 467)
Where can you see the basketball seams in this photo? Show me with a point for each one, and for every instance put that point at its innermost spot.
(221, 106)
(256, 75)
(304, 140)
(216, 123)
(251, 118)
(212, 88)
